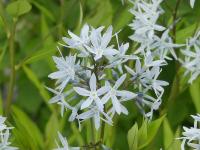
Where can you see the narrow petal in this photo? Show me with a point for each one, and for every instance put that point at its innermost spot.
(93, 82)
(110, 52)
(124, 110)
(132, 72)
(57, 75)
(103, 90)
(105, 98)
(106, 37)
(81, 91)
(119, 81)
(138, 66)
(86, 115)
(87, 103)
(192, 3)
(116, 104)
(126, 94)
(99, 104)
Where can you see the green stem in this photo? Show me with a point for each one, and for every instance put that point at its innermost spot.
(92, 131)
(61, 17)
(12, 66)
(102, 132)
(175, 86)
(175, 13)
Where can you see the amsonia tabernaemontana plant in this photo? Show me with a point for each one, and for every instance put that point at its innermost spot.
(110, 73)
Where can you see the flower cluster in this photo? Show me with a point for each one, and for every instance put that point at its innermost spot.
(4, 135)
(145, 29)
(99, 77)
(191, 136)
(154, 50)
(191, 54)
(93, 94)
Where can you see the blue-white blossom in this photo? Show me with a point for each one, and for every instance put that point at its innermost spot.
(93, 90)
(96, 115)
(145, 22)
(93, 95)
(4, 135)
(114, 93)
(92, 42)
(191, 136)
(191, 57)
(67, 68)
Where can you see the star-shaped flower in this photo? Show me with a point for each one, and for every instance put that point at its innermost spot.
(66, 70)
(93, 94)
(114, 93)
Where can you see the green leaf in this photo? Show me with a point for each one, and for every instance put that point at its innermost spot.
(168, 136)
(45, 31)
(18, 8)
(152, 130)
(142, 134)
(39, 55)
(26, 131)
(33, 78)
(195, 94)
(44, 10)
(51, 130)
(102, 15)
(133, 137)
(1, 104)
(176, 144)
(185, 33)
(80, 17)
(122, 18)
(76, 135)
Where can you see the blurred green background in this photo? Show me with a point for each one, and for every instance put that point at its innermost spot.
(40, 27)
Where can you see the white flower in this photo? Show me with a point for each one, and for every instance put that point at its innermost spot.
(2, 123)
(152, 103)
(58, 96)
(138, 71)
(93, 94)
(192, 3)
(146, 16)
(147, 77)
(114, 93)
(99, 44)
(112, 110)
(150, 62)
(150, 80)
(76, 41)
(64, 144)
(95, 113)
(92, 42)
(67, 68)
(191, 136)
(144, 79)
(163, 45)
(191, 57)
(121, 57)
(4, 136)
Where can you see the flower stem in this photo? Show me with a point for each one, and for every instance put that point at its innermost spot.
(175, 13)
(92, 132)
(102, 132)
(175, 86)
(12, 66)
